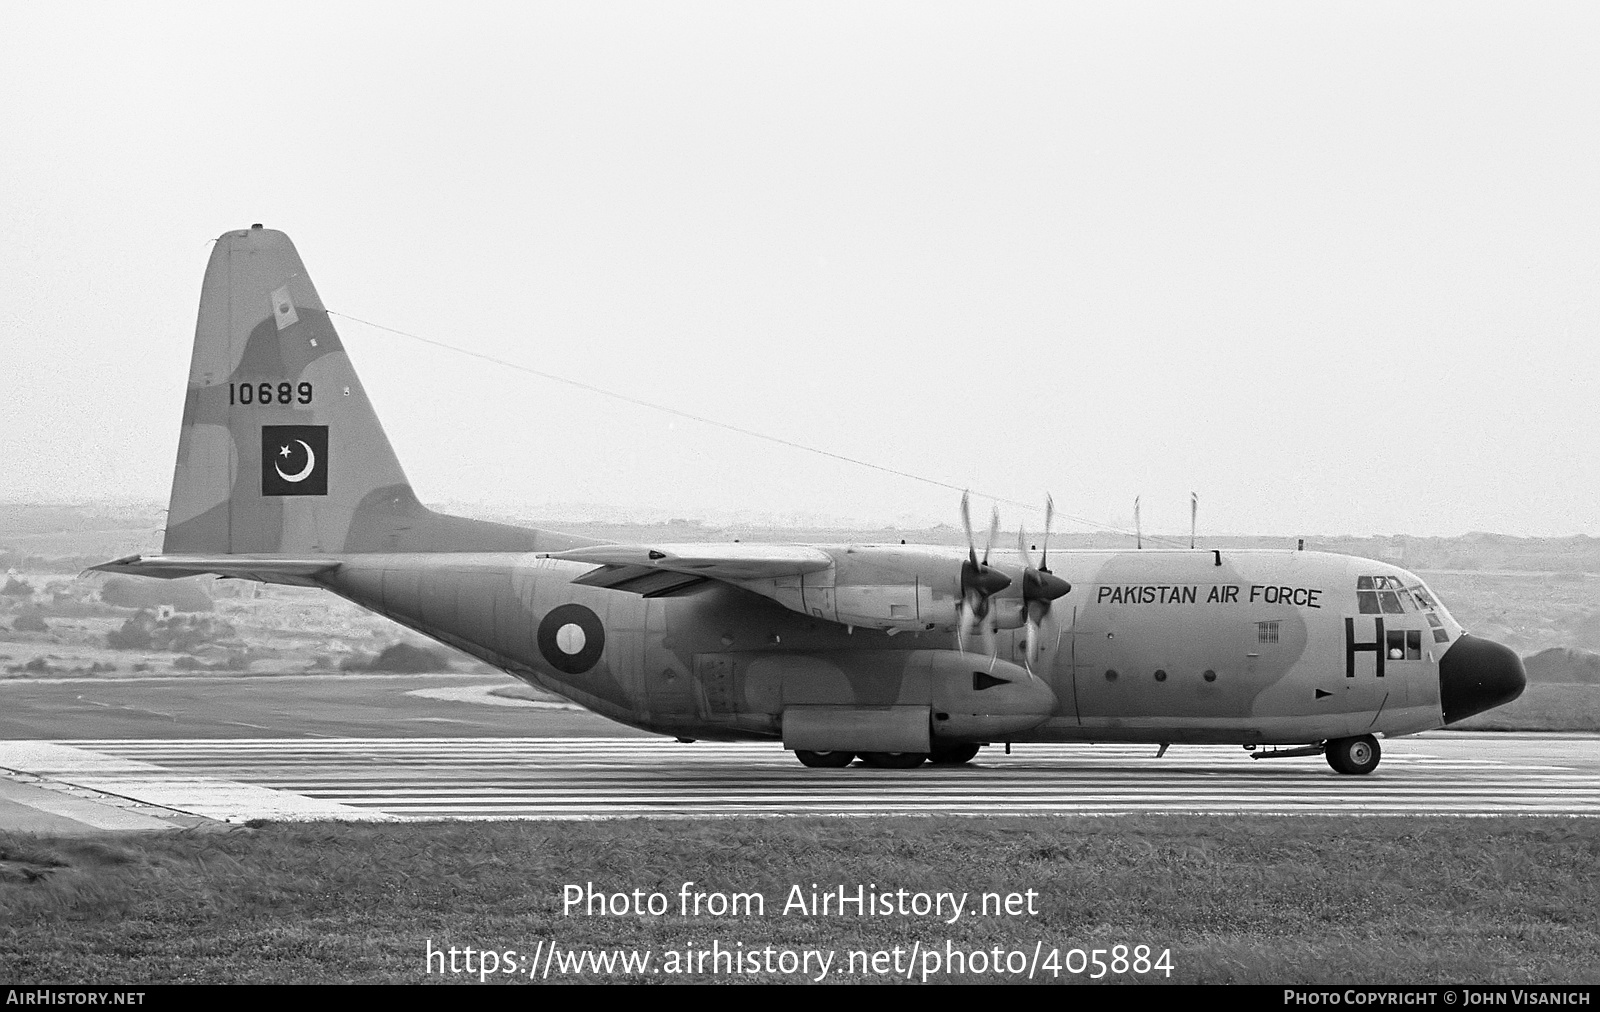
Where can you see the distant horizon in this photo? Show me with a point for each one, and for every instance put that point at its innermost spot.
(574, 513)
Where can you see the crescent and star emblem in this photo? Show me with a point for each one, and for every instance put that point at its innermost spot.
(303, 473)
(280, 446)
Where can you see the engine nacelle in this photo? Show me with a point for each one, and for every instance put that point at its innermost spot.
(891, 587)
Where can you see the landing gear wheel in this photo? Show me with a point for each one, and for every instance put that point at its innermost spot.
(1354, 756)
(825, 760)
(953, 755)
(894, 760)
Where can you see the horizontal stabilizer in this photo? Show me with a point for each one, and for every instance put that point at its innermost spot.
(262, 568)
(733, 563)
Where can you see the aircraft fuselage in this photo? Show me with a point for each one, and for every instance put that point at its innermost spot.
(1268, 647)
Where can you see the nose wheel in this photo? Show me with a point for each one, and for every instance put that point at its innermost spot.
(1354, 756)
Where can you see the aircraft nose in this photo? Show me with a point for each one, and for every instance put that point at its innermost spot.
(1476, 674)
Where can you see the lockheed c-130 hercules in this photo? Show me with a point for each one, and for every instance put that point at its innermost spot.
(895, 654)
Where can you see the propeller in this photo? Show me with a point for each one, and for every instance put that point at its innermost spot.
(979, 582)
(1040, 587)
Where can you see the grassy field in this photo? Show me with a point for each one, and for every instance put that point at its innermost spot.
(1279, 900)
(1542, 708)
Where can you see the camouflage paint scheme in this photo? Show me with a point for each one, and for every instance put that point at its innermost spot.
(853, 647)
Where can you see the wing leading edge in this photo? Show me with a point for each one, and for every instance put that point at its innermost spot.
(735, 563)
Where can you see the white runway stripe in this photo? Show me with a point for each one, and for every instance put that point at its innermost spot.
(547, 778)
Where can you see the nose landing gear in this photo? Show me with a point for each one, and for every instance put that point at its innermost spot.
(1354, 756)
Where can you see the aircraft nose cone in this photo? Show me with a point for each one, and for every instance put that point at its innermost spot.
(1476, 674)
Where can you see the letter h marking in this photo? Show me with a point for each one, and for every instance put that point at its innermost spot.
(1351, 646)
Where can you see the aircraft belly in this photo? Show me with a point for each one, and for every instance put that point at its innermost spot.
(1190, 730)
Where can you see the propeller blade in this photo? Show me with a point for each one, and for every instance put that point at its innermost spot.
(994, 531)
(979, 581)
(1049, 512)
(1039, 586)
(966, 525)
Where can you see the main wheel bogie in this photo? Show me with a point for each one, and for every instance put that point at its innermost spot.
(825, 760)
(894, 760)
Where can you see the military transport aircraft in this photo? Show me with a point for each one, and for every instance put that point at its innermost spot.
(895, 654)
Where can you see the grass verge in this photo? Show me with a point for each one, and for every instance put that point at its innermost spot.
(1542, 708)
(1279, 900)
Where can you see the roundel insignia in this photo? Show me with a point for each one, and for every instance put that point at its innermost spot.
(571, 638)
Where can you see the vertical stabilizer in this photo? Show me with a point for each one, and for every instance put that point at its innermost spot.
(280, 449)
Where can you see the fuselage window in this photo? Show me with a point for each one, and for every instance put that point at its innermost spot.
(1439, 635)
(1404, 644)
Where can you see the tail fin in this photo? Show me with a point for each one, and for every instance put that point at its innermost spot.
(280, 450)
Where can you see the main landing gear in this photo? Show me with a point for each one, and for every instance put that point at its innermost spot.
(894, 760)
(825, 760)
(947, 755)
(953, 755)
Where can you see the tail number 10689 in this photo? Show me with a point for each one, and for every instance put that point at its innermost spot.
(266, 394)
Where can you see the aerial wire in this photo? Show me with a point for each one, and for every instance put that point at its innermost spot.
(728, 426)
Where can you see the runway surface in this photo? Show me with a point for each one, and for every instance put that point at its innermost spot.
(283, 706)
(599, 777)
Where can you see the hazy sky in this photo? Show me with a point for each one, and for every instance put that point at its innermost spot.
(1331, 266)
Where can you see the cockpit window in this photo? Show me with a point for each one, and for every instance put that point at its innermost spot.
(1382, 595)
(1388, 595)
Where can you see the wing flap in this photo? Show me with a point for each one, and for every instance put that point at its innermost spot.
(641, 580)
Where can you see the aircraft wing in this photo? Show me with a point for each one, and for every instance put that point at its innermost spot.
(733, 563)
(262, 568)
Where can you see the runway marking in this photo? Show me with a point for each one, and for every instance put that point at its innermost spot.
(105, 772)
(78, 809)
(544, 778)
